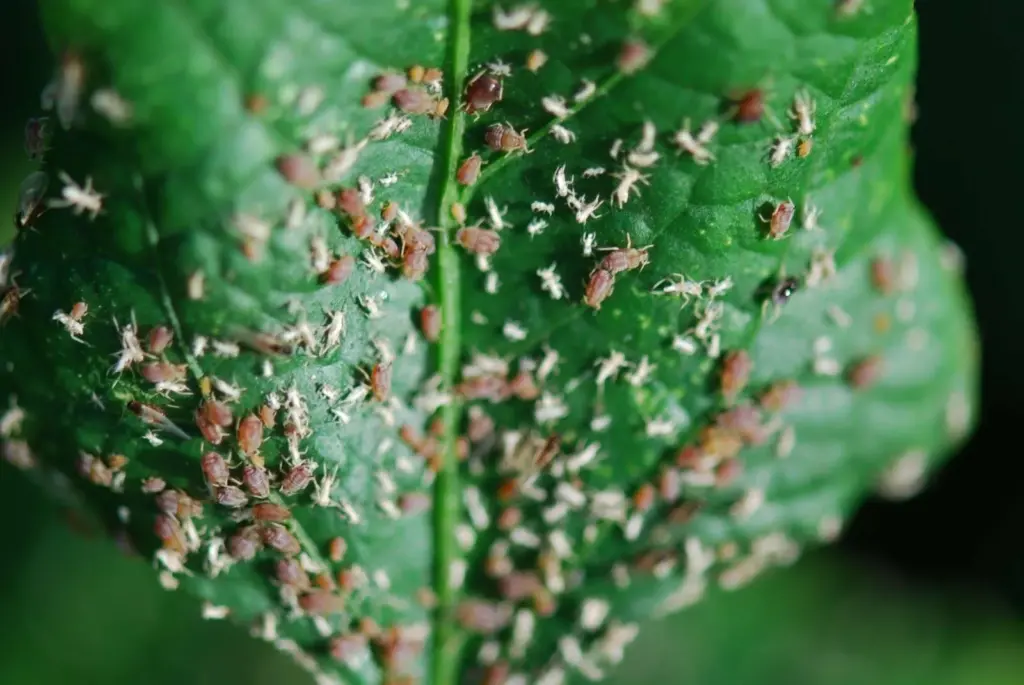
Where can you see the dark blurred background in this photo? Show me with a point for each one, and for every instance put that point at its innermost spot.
(927, 591)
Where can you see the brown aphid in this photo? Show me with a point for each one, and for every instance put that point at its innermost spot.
(736, 368)
(324, 581)
(669, 484)
(780, 395)
(269, 511)
(633, 55)
(338, 271)
(599, 287)
(217, 413)
(727, 471)
(415, 265)
(276, 536)
(469, 170)
(504, 138)
(158, 339)
(430, 322)
(409, 435)
(256, 103)
(626, 259)
(519, 585)
(380, 381)
(508, 490)
(865, 372)
(643, 498)
(482, 92)
(413, 101)
(231, 497)
(325, 199)
(169, 531)
(684, 513)
(412, 503)
(745, 422)
(524, 386)
(351, 203)
(116, 462)
(256, 481)
(267, 416)
(458, 211)
(509, 518)
(481, 616)
(348, 648)
(212, 433)
(481, 241)
(481, 425)
(461, 448)
(178, 504)
(78, 311)
(780, 220)
(215, 469)
(9, 303)
(250, 434)
(153, 485)
(245, 543)
(336, 549)
(440, 109)
(493, 388)
(749, 106)
(720, 442)
(95, 470)
(432, 75)
(535, 60)
(883, 275)
(375, 99)
(804, 147)
(289, 572)
(297, 479)
(389, 82)
(300, 170)
(544, 603)
(322, 602)
(163, 372)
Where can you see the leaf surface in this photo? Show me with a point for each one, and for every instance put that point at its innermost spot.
(642, 448)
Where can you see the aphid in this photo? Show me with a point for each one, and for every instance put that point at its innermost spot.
(321, 602)
(250, 434)
(64, 92)
(299, 170)
(883, 275)
(482, 616)
(413, 101)
(535, 228)
(804, 147)
(432, 76)
(588, 241)
(389, 82)
(599, 287)
(633, 56)
(458, 211)
(80, 198)
(216, 412)
(276, 536)
(245, 543)
(231, 497)
(686, 142)
(504, 138)
(37, 137)
(289, 572)
(30, 196)
(416, 73)
(803, 113)
(158, 339)
(269, 511)
(780, 395)
(780, 220)
(170, 532)
(430, 322)
(621, 259)
(338, 271)
(479, 241)
(749, 106)
(155, 416)
(628, 180)
(256, 481)
(469, 170)
(297, 479)
(587, 210)
(780, 150)
(865, 372)
(380, 381)
(735, 373)
(215, 469)
(535, 60)
(163, 372)
(482, 91)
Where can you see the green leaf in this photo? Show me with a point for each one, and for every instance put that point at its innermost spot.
(621, 477)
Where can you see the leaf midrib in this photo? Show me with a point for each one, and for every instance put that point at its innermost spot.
(446, 646)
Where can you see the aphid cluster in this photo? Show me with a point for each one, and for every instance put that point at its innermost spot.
(415, 92)
(601, 282)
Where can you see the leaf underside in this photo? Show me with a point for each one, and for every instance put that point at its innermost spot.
(613, 485)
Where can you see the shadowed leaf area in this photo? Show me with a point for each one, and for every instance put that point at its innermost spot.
(444, 342)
